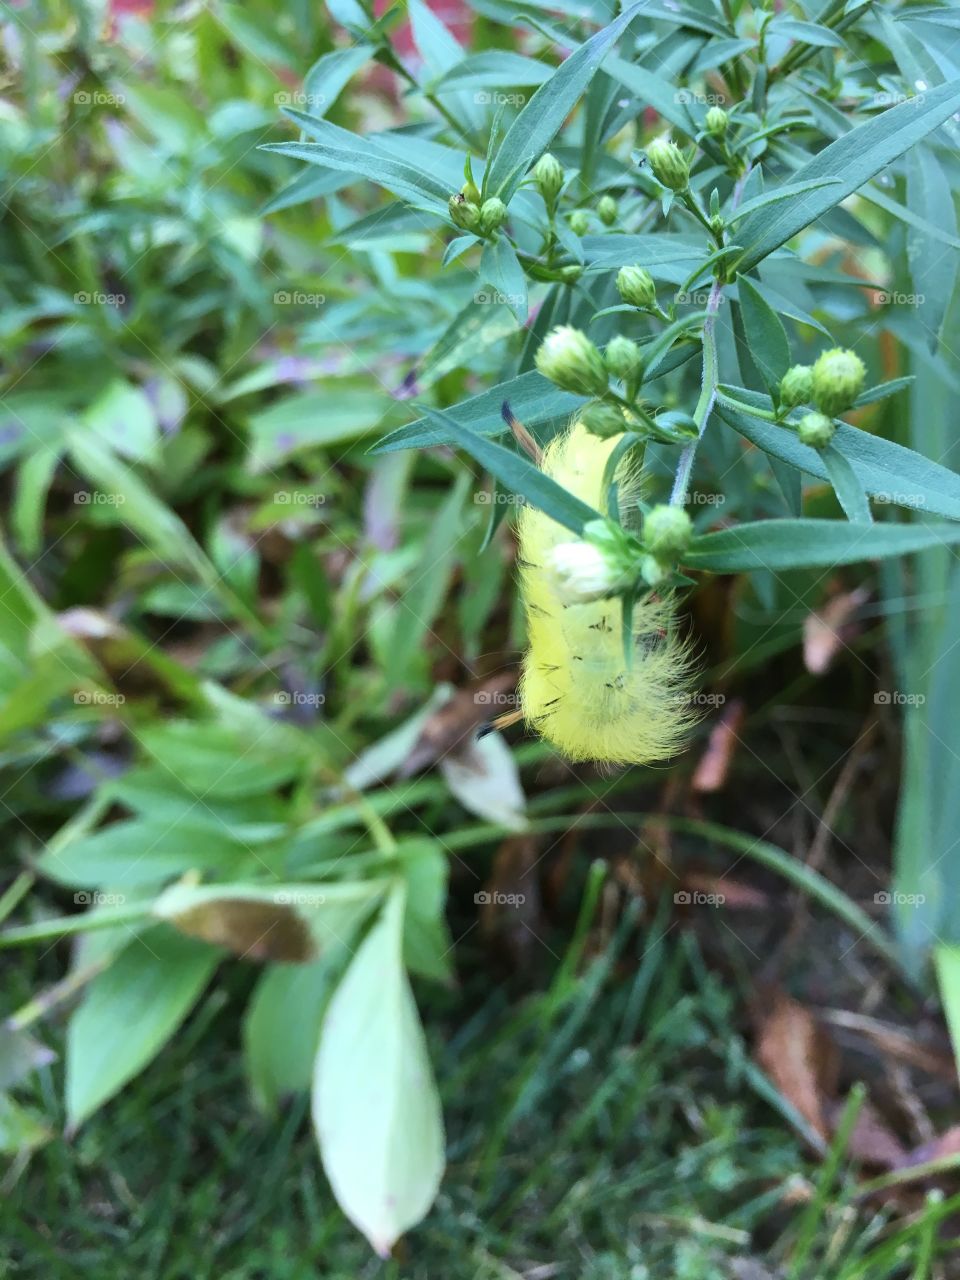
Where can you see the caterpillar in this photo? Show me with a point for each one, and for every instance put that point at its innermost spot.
(576, 688)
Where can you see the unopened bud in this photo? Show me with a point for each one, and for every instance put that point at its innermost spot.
(579, 222)
(623, 359)
(716, 122)
(568, 358)
(667, 531)
(636, 286)
(470, 192)
(607, 210)
(603, 420)
(584, 571)
(548, 176)
(796, 386)
(838, 377)
(572, 273)
(816, 430)
(493, 214)
(669, 164)
(463, 213)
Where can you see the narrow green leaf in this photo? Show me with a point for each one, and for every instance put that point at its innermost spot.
(494, 69)
(500, 267)
(328, 76)
(846, 483)
(534, 128)
(787, 192)
(281, 1029)
(801, 544)
(766, 336)
(854, 159)
(947, 962)
(375, 1104)
(805, 32)
(518, 474)
(129, 1012)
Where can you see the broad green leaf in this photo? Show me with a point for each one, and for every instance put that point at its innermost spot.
(328, 76)
(799, 544)
(281, 1029)
(21, 1128)
(766, 336)
(846, 484)
(125, 420)
(129, 1012)
(334, 416)
(375, 1104)
(427, 945)
(500, 267)
(493, 69)
(534, 128)
(217, 760)
(519, 475)
(854, 159)
(887, 471)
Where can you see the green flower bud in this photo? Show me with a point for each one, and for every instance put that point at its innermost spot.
(636, 287)
(652, 571)
(623, 359)
(669, 164)
(470, 192)
(603, 420)
(493, 214)
(667, 531)
(601, 564)
(548, 176)
(568, 358)
(796, 386)
(463, 213)
(571, 274)
(816, 430)
(579, 222)
(607, 210)
(837, 380)
(716, 122)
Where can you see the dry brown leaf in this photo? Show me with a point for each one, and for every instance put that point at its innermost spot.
(827, 630)
(711, 771)
(798, 1057)
(872, 1142)
(457, 720)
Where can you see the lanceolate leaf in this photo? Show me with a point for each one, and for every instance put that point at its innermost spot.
(854, 159)
(519, 475)
(534, 128)
(375, 1104)
(886, 470)
(801, 544)
(766, 335)
(846, 485)
(129, 1012)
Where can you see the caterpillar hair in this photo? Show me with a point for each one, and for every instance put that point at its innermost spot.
(577, 690)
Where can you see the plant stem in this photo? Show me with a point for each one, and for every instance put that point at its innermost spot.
(710, 376)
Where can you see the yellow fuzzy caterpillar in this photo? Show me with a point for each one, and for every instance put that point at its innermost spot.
(577, 691)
